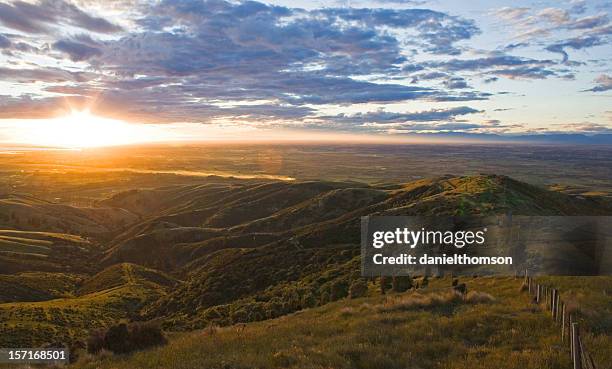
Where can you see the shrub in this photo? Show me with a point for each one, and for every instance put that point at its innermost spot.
(418, 300)
(116, 339)
(339, 290)
(123, 338)
(239, 316)
(401, 283)
(359, 288)
(309, 300)
(475, 297)
(144, 335)
(324, 299)
(95, 342)
(385, 284)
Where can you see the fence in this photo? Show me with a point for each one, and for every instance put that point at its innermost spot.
(551, 299)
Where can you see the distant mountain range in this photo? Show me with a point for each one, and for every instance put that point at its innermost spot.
(552, 138)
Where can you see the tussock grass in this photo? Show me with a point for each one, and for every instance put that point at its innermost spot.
(420, 300)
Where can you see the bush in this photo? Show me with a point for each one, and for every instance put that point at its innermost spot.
(117, 339)
(309, 300)
(339, 290)
(95, 342)
(123, 338)
(385, 284)
(324, 299)
(401, 283)
(359, 288)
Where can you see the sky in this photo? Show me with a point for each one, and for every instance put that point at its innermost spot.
(389, 68)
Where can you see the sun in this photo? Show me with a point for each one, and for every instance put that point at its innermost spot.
(81, 129)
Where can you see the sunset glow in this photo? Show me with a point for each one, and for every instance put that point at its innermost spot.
(82, 130)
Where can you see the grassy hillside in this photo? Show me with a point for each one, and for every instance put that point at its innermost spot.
(233, 270)
(317, 212)
(23, 251)
(115, 294)
(37, 286)
(126, 274)
(496, 327)
(222, 252)
(28, 213)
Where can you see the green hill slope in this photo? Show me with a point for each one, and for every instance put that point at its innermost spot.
(27, 213)
(117, 293)
(227, 251)
(37, 286)
(23, 251)
(124, 274)
(496, 327)
(312, 250)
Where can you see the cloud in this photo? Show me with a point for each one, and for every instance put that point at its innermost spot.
(554, 15)
(5, 42)
(488, 62)
(576, 43)
(524, 73)
(28, 107)
(42, 16)
(79, 49)
(384, 117)
(437, 127)
(251, 51)
(604, 83)
(587, 127)
(578, 6)
(550, 21)
(501, 65)
(246, 61)
(429, 76)
(455, 83)
(52, 75)
(590, 22)
(511, 14)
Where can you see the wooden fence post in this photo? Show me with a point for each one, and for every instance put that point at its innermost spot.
(576, 346)
(563, 322)
(529, 285)
(550, 299)
(570, 336)
(538, 293)
(557, 308)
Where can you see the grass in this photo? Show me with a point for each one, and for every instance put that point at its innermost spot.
(497, 327)
(590, 299)
(37, 286)
(69, 320)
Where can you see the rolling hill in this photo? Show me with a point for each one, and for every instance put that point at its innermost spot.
(495, 326)
(115, 294)
(229, 251)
